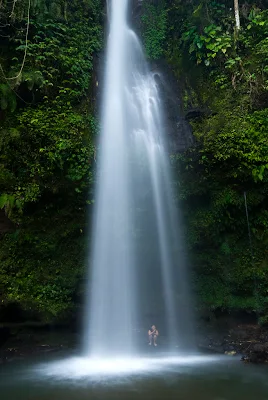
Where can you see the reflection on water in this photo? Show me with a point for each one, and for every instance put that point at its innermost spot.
(187, 378)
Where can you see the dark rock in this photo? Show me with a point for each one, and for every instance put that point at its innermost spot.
(5, 334)
(5, 224)
(226, 336)
(180, 135)
(260, 348)
(196, 113)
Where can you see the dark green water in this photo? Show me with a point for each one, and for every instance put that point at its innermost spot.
(220, 379)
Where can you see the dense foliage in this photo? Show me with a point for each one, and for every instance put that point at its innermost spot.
(47, 150)
(224, 79)
(47, 145)
(154, 27)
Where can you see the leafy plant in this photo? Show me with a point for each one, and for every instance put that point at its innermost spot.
(154, 27)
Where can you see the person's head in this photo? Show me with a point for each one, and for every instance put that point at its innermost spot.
(153, 327)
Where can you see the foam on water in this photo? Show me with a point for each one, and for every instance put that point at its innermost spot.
(78, 368)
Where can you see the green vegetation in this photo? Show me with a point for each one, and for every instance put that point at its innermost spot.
(154, 27)
(47, 150)
(47, 145)
(224, 75)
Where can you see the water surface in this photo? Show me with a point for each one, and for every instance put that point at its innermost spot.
(188, 378)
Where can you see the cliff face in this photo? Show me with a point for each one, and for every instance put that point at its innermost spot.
(178, 129)
(49, 153)
(206, 77)
(179, 132)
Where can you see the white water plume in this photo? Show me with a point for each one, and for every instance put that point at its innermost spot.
(137, 263)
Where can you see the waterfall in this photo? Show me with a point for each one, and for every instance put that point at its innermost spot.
(137, 264)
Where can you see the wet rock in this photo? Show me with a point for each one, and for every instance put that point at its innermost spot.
(245, 358)
(180, 136)
(246, 339)
(5, 334)
(230, 353)
(194, 113)
(259, 353)
(29, 342)
(5, 224)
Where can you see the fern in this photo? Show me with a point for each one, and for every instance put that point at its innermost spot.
(7, 202)
(32, 78)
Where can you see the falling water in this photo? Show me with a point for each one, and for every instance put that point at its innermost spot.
(137, 261)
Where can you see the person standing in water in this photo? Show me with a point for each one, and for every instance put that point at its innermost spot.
(153, 333)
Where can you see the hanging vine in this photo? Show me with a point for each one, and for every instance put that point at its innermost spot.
(26, 42)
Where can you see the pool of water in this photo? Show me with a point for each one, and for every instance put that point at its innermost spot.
(192, 377)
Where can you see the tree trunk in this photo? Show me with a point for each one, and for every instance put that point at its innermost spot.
(237, 17)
